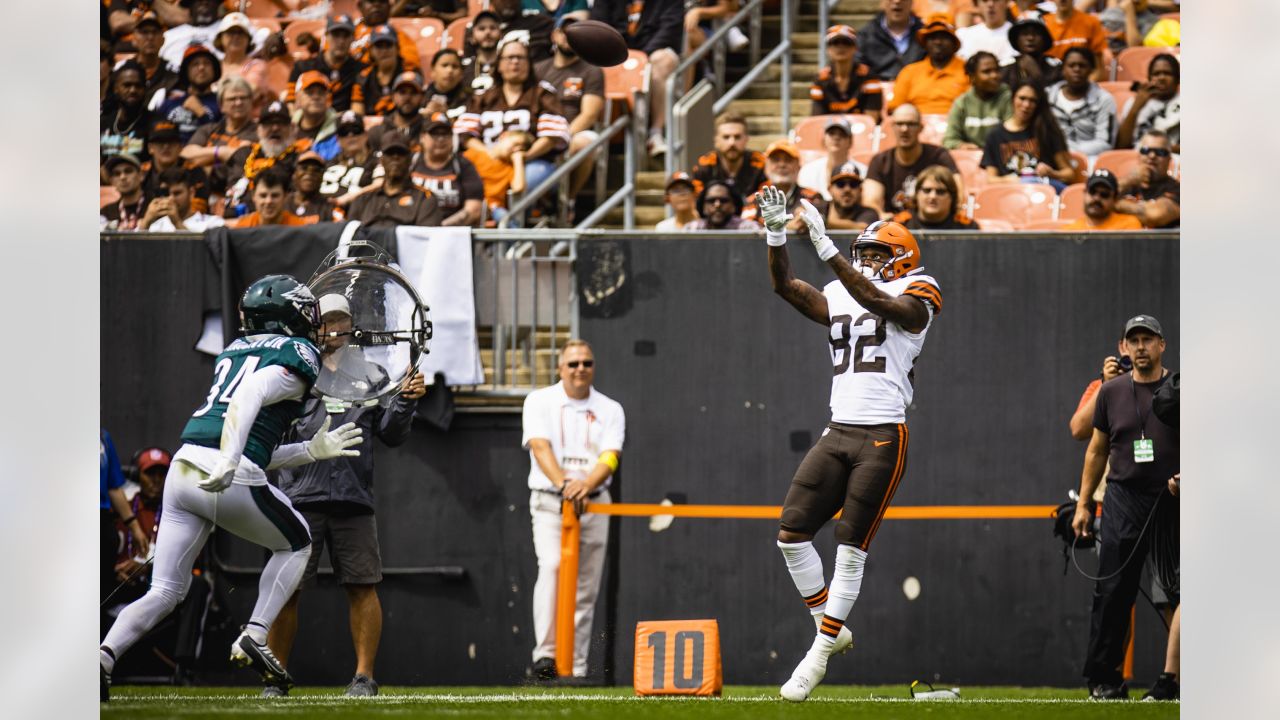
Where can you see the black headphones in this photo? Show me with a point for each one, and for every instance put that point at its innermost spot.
(131, 471)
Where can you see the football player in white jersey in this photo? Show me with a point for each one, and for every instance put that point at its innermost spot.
(878, 311)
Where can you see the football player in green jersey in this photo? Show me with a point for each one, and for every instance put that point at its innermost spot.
(217, 478)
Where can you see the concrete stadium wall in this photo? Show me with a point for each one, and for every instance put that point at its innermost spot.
(725, 387)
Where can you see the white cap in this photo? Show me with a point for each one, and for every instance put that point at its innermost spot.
(235, 19)
(334, 303)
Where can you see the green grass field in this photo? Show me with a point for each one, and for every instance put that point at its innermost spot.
(408, 703)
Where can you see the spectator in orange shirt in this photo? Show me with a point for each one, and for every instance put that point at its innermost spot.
(1101, 192)
(934, 83)
(1070, 28)
(270, 192)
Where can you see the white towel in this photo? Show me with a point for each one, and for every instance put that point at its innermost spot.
(437, 260)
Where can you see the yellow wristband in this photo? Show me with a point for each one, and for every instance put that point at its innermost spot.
(609, 458)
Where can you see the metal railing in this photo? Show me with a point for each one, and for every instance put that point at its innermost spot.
(626, 193)
(750, 12)
(824, 21)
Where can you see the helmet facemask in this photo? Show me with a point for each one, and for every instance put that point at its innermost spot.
(871, 269)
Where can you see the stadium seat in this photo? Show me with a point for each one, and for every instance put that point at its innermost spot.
(1131, 63)
(297, 28)
(345, 7)
(623, 82)
(1071, 202)
(1079, 161)
(934, 128)
(475, 6)
(278, 71)
(886, 135)
(427, 34)
(1119, 162)
(269, 24)
(456, 34)
(260, 9)
(807, 134)
(1017, 204)
(107, 195)
(968, 163)
(1122, 98)
(1047, 225)
(995, 225)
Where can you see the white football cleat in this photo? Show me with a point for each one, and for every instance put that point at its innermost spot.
(806, 677)
(844, 640)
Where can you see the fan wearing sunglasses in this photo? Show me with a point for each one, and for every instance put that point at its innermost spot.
(1100, 195)
(574, 434)
(1149, 193)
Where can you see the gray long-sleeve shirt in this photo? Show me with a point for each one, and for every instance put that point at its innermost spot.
(1090, 125)
(345, 479)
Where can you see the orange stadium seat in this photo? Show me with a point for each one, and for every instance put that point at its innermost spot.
(807, 134)
(297, 28)
(427, 34)
(260, 9)
(1119, 162)
(1047, 225)
(1071, 202)
(934, 128)
(456, 34)
(1017, 204)
(270, 24)
(345, 7)
(996, 225)
(622, 82)
(278, 71)
(886, 135)
(475, 6)
(1080, 162)
(968, 162)
(1131, 63)
(1122, 98)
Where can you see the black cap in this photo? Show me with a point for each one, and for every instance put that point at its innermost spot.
(126, 158)
(1035, 25)
(435, 121)
(394, 139)
(162, 131)
(275, 111)
(350, 119)
(485, 14)
(1143, 322)
(1103, 177)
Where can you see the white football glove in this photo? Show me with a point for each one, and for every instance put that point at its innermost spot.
(818, 231)
(224, 471)
(326, 444)
(773, 210)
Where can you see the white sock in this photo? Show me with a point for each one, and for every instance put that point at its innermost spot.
(805, 566)
(846, 583)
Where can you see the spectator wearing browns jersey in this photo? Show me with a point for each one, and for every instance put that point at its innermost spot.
(314, 117)
(1029, 146)
(193, 101)
(934, 83)
(377, 78)
(986, 104)
(1032, 40)
(845, 86)
(1101, 192)
(1149, 193)
(518, 102)
(580, 88)
(1070, 28)
(355, 165)
(480, 52)
(200, 29)
(447, 93)
(397, 201)
(782, 170)
(450, 178)
(406, 117)
(171, 209)
(446, 11)
(270, 197)
(501, 168)
(533, 29)
(124, 120)
(148, 38)
(276, 148)
(165, 147)
(1157, 104)
(656, 28)
(372, 14)
(888, 41)
(936, 204)
(682, 195)
(731, 161)
(125, 172)
(1085, 112)
(305, 199)
(847, 211)
(214, 143)
(891, 174)
(837, 140)
(336, 65)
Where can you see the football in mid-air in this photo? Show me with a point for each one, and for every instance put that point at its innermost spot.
(596, 42)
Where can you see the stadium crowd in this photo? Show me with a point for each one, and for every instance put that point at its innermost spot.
(1015, 99)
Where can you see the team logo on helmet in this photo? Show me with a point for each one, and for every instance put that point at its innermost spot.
(897, 241)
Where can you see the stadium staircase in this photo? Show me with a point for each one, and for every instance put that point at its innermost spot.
(760, 103)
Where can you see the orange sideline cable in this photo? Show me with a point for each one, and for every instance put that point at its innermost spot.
(773, 512)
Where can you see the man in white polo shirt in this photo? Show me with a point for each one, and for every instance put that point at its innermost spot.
(574, 435)
(992, 34)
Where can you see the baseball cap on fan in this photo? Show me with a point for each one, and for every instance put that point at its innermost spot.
(151, 457)
(1143, 322)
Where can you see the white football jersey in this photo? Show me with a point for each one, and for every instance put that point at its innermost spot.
(872, 358)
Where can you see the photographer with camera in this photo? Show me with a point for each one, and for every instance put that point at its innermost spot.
(1143, 454)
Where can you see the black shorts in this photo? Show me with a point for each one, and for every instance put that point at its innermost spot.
(353, 547)
(852, 469)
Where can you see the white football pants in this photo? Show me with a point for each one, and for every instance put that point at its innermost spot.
(258, 513)
(545, 511)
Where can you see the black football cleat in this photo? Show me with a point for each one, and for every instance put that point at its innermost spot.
(247, 653)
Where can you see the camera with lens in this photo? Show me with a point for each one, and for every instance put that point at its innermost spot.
(1126, 363)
